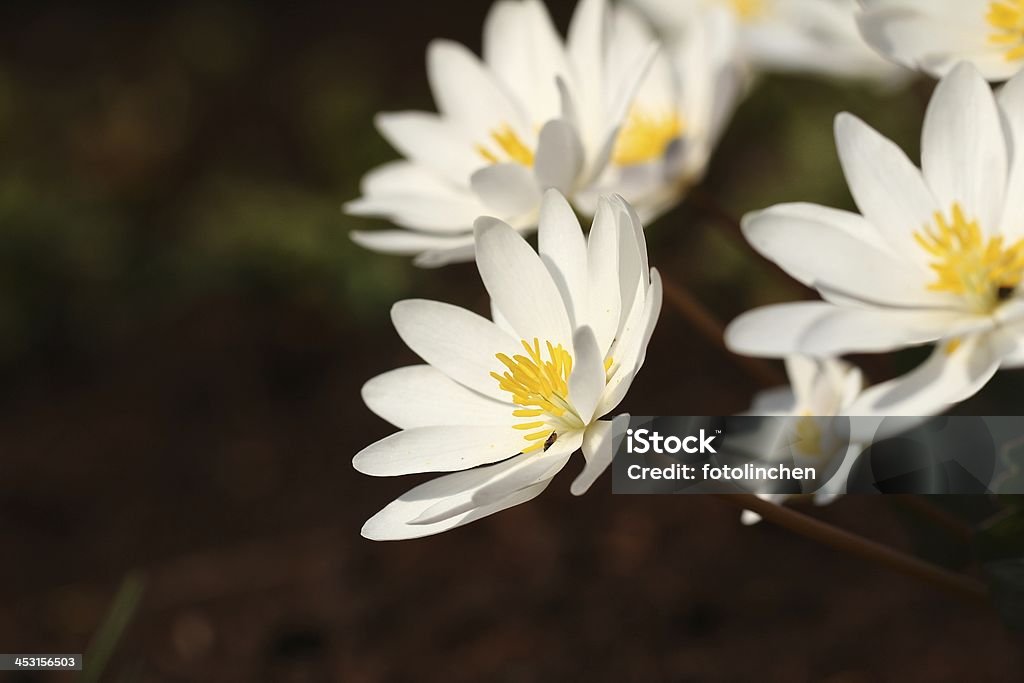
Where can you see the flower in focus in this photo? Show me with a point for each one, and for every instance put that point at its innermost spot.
(803, 36)
(504, 403)
(678, 114)
(935, 35)
(535, 113)
(936, 255)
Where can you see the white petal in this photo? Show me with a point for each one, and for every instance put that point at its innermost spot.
(421, 396)
(507, 189)
(870, 330)
(506, 46)
(563, 249)
(887, 187)
(408, 243)
(431, 142)
(598, 451)
(393, 522)
(632, 268)
(822, 329)
(586, 43)
(559, 156)
(520, 285)
(629, 355)
(459, 343)
(1011, 102)
(587, 380)
(963, 152)
(529, 470)
(944, 379)
(439, 213)
(604, 293)
(467, 93)
(445, 448)
(828, 256)
(803, 372)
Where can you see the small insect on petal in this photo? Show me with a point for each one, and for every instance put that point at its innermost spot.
(550, 441)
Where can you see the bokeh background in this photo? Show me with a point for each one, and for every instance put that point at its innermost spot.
(185, 325)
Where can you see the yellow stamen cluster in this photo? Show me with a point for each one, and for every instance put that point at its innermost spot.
(1007, 17)
(747, 9)
(645, 137)
(985, 272)
(541, 388)
(808, 435)
(510, 144)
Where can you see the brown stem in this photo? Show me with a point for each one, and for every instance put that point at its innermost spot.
(960, 584)
(712, 329)
(954, 526)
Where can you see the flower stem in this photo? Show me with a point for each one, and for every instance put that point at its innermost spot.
(680, 298)
(952, 525)
(799, 523)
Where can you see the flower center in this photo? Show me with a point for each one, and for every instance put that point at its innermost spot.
(986, 273)
(540, 387)
(1007, 17)
(747, 9)
(807, 435)
(645, 136)
(509, 144)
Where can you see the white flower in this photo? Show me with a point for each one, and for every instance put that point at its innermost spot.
(937, 255)
(535, 113)
(510, 401)
(804, 36)
(834, 420)
(935, 35)
(820, 390)
(678, 114)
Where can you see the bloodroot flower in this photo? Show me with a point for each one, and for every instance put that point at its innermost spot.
(935, 35)
(504, 403)
(536, 113)
(802, 36)
(936, 256)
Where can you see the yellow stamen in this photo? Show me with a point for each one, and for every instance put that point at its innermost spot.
(1007, 17)
(983, 271)
(951, 346)
(539, 384)
(509, 142)
(747, 9)
(646, 136)
(808, 435)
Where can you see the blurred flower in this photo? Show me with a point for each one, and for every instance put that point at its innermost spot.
(937, 255)
(833, 420)
(510, 401)
(679, 113)
(535, 113)
(934, 35)
(803, 36)
(819, 390)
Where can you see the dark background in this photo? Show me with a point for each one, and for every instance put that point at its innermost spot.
(185, 325)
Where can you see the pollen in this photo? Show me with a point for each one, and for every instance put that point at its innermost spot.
(645, 136)
(1007, 18)
(511, 147)
(984, 271)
